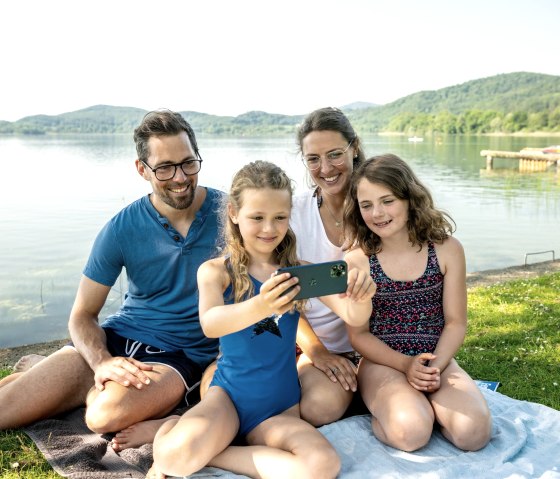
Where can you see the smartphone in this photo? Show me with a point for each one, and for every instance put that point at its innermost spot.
(319, 279)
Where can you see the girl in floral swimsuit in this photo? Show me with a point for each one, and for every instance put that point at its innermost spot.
(408, 378)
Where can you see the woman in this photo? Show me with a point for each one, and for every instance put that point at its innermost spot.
(330, 150)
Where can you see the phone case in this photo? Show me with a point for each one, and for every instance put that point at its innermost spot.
(319, 279)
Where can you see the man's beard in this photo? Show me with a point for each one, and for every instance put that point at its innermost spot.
(179, 203)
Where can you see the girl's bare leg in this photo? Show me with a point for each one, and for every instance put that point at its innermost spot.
(185, 445)
(461, 410)
(402, 417)
(282, 446)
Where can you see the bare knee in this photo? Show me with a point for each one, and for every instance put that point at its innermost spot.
(100, 419)
(104, 414)
(319, 411)
(470, 434)
(408, 432)
(322, 463)
(320, 406)
(176, 456)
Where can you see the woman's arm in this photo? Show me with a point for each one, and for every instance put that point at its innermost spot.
(307, 340)
(323, 359)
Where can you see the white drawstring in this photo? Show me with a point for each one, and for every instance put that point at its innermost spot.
(133, 349)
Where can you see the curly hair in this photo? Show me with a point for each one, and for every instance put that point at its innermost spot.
(425, 221)
(255, 175)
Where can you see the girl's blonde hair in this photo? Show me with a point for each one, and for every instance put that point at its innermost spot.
(425, 221)
(255, 175)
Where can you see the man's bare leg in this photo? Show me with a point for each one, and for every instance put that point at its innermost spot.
(27, 362)
(23, 364)
(118, 407)
(144, 432)
(138, 434)
(54, 385)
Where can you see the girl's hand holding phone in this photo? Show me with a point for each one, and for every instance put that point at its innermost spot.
(273, 295)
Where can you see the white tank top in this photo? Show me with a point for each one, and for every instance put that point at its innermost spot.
(314, 246)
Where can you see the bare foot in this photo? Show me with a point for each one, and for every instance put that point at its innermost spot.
(154, 473)
(27, 362)
(138, 434)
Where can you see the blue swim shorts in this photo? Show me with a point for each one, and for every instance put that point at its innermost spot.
(189, 372)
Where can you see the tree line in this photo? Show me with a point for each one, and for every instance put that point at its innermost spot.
(475, 122)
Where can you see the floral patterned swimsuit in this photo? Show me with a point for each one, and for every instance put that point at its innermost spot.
(408, 315)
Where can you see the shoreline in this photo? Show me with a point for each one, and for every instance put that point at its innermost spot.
(9, 356)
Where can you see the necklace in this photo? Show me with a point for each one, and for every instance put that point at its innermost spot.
(337, 223)
(317, 194)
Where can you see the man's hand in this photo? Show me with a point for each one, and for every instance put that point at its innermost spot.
(125, 371)
(338, 369)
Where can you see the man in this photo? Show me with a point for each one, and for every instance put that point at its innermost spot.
(149, 356)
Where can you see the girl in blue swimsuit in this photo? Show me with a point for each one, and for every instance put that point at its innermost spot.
(408, 377)
(255, 391)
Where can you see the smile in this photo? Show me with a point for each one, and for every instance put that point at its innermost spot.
(331, 179)
(382, 225)
(179, 190)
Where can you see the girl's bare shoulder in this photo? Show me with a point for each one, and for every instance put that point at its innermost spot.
(449, 246)
(451, 255)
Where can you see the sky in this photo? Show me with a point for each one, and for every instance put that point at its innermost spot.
(226, 57)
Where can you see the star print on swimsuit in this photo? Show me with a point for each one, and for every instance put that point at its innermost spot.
(269, 324)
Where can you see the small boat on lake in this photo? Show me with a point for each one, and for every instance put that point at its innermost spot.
(415, 139)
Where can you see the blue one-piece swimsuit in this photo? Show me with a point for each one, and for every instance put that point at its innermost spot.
(257, 368)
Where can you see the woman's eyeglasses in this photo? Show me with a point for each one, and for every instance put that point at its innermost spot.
(334, 158)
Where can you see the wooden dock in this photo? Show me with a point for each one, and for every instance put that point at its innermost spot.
(529, 159)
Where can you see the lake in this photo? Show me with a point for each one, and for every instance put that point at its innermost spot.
(66, 187)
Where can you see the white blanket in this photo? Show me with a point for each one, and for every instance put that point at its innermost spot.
(525, 444)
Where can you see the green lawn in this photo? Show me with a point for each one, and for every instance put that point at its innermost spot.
(513, 337)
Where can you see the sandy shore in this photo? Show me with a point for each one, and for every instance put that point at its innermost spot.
(9, 356)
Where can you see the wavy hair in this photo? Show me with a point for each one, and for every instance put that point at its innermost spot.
(255, 175)
(425, 221)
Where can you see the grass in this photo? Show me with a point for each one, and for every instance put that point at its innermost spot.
(20, 458)
(513, 337)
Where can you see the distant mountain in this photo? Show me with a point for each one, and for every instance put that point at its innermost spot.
(358, 105)
(502, 103)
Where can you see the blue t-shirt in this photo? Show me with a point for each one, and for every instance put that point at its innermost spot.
(161, 305)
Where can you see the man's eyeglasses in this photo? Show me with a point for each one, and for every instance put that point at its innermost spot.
(335, 158)
(167, 172)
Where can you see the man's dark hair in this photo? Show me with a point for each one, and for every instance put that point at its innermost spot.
(161, 123)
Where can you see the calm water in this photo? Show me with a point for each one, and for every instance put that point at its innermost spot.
(68, 187)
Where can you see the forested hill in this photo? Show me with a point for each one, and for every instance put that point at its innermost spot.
(503, 103)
